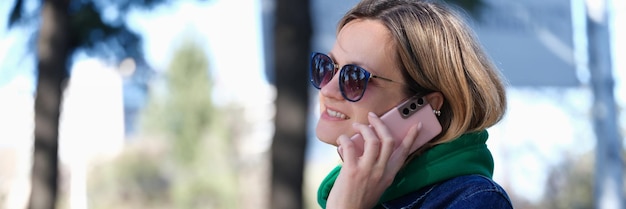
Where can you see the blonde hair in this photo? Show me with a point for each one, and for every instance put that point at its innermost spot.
(437, 52)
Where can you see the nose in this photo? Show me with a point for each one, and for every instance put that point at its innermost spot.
(331, 89)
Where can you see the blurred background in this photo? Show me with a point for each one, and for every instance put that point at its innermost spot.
(206, 103)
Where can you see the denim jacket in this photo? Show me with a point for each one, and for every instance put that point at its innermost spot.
(468, 191)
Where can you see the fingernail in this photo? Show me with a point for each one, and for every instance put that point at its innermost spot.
(419, 126)
(371, 114)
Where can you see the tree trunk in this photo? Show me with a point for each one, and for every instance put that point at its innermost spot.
(292, 34)
(608, 184)
(52, 53)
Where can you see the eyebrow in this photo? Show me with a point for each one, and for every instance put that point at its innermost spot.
(330, 54)
(373, 74)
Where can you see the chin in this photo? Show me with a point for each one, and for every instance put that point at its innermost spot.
(326, 136)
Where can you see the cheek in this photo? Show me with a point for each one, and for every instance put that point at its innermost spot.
(360, 114)
(377, 107)
(320, 100)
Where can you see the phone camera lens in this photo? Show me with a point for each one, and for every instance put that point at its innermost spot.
(420, 101)
(405, 111)
(413, 106)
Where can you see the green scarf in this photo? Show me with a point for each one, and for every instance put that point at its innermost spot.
(465, 155)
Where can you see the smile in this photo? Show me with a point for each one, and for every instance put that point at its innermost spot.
(336, 114)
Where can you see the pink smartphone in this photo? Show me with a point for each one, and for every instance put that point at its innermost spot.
(400, 119)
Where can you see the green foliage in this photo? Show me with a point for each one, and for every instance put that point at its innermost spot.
(187, 158)
(184, 111)
(146, 176)
(136, 179)
(188, 108)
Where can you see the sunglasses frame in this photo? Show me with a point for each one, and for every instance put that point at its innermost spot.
(336, 70)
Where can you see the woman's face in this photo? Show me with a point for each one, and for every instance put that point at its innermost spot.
(366, 43)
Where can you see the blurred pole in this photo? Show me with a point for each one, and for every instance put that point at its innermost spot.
(608, 174)
(52, 52)
(292, 33)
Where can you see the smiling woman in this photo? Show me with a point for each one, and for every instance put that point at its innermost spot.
(418, 49)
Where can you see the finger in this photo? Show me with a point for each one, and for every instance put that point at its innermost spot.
(411, 137)
(348, 153)
(402, 152)
(371, 144)
(387, 140)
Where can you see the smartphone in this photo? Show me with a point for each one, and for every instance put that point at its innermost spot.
(400, 119)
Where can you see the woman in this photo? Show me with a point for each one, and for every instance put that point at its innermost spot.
(387, 51)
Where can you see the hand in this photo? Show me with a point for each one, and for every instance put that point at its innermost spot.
(362, 180)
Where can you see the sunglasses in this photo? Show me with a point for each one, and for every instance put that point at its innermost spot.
(352, 78)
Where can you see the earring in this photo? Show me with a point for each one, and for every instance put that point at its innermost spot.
(437, 112)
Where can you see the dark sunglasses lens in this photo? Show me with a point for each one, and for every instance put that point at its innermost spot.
(322, 70)
(352, 82)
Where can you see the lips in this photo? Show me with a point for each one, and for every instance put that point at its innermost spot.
(336, 114)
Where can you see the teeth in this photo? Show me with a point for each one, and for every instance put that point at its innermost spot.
(336, 114)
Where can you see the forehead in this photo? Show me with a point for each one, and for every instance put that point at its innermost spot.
(366, 43)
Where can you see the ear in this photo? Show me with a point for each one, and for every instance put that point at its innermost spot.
(435, 100)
